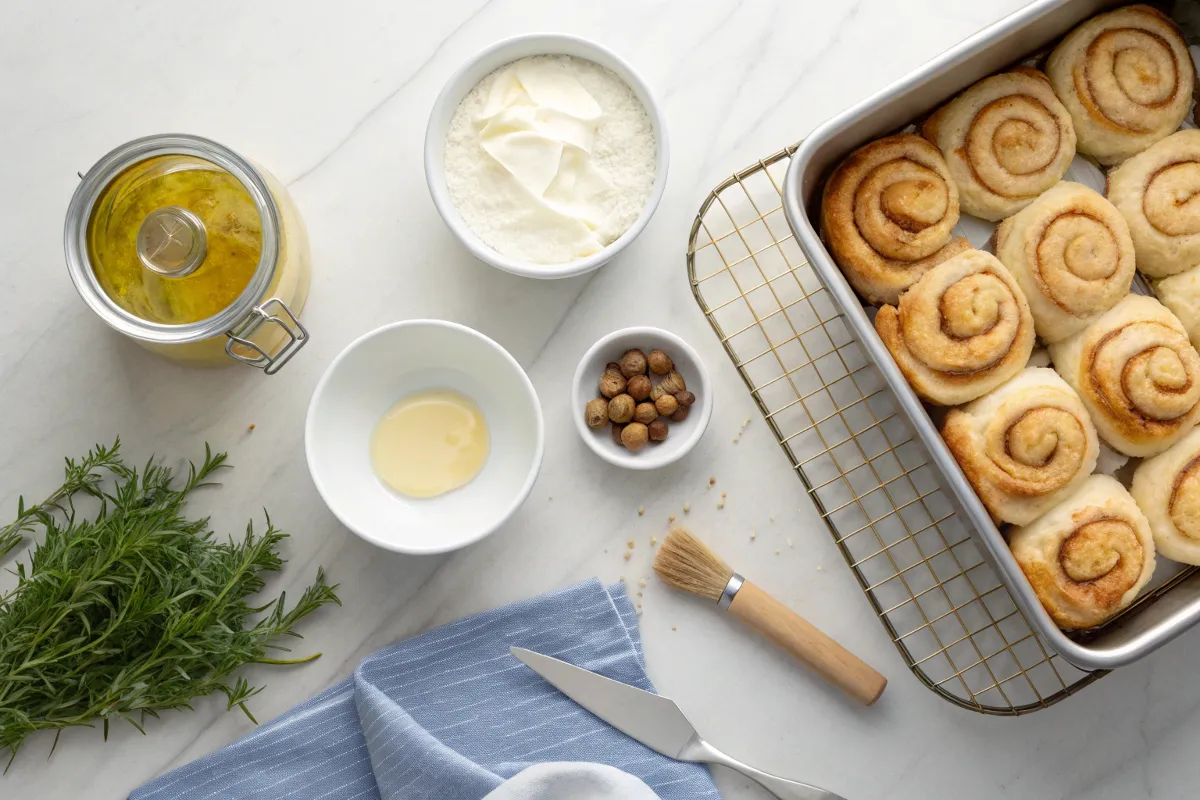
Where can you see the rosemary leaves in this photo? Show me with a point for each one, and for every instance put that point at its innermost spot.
(134, 609)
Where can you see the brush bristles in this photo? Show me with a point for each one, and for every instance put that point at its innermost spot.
(686, 563)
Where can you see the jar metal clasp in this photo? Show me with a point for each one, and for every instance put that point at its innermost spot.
(273, 312)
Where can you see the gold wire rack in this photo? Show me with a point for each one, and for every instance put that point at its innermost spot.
(952, 619)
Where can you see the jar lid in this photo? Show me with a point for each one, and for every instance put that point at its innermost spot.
(172, 238)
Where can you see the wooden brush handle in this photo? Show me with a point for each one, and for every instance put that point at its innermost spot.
(793, 633)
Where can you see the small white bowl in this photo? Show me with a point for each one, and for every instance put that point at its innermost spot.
(681, 436)
(463, 81)
(368, 378)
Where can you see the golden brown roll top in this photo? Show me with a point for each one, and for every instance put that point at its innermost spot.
(1126, 77)
(1024, 446)
(1006, 140)
(1181, 294)
(1137, 374)
(887, 214)
(962, 330)
(1158, 193)
(1071, 252)
(1087, 558)
(1167, 489)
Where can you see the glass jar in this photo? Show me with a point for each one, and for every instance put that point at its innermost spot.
(193, 251)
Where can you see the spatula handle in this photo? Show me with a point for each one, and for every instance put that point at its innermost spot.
(778, 623)
(699, 750)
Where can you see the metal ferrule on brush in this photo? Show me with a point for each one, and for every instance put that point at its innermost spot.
(731, 589)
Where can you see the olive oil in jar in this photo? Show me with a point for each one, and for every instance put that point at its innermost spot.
(227, 248)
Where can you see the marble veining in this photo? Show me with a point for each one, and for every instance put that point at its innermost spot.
(333, 99)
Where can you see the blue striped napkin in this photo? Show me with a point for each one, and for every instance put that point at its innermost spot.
(449, 715)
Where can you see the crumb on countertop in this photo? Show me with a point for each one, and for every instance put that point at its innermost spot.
(641, 510)
(670, 519)
(653, 541)
(628, 555)
(251, 428)
(687, 507)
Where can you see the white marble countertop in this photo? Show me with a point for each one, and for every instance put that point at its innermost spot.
(333, 99)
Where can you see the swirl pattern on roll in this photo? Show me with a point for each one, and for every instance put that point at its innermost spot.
(1024, 446)
(887, 214)
(960, 331)
(1158, 193)
(1071, 252)
(1006, 140)
(1167, 489)
(1126, 77)
(1088, 557)
(1137, 374)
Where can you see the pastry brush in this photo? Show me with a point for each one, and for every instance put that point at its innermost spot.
(686, 563)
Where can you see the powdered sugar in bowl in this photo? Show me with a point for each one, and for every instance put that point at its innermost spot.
(546, 155)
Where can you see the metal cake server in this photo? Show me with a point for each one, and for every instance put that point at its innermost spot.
(653, 720)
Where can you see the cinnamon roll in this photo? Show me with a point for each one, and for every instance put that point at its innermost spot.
(1006, 140)
(1167, 489)
(1158, 193)
(962, 330)
(1070, 250)
(1137, 374)
(1126, 77)
(1181, 294)
(1024, 446)
(887, 215)
(1088, 557)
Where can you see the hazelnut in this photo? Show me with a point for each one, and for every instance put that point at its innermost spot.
(658, 430)
(660, 362)
(633, 363)
(596, 413)
(666, 405)
(671, 384)
(685, 398)
(620, 408)
(634, 436)
(674, 382)
(645, 413)
(616, 434)
(639, 387)
(612, 366)
(680, 415)
(612, 382)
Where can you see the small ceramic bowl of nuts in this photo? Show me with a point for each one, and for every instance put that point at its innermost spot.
(641, 398)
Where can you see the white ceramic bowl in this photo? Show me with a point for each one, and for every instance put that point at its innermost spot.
(368, 378)
(681, 436)
(461, 83)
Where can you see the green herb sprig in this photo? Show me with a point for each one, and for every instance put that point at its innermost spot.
(137, 609)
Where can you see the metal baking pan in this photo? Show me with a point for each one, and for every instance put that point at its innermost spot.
(1138, 631)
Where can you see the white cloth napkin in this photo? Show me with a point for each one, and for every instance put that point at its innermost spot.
(576, 781)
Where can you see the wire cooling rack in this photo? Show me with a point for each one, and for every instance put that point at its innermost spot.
(953, 621)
